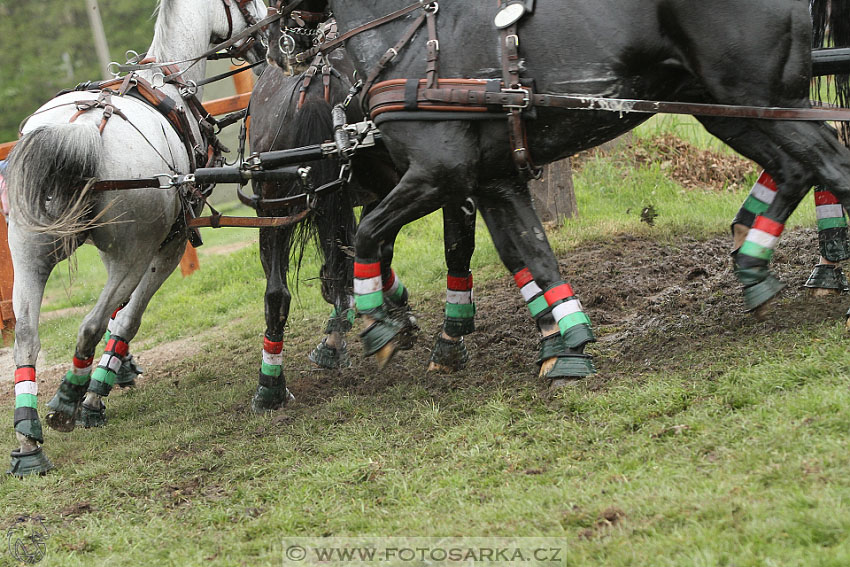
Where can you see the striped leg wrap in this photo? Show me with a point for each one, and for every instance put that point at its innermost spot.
(531, 293)
(568, 313)
(394, 291)
(762, 239)
(752, 259)
(368, 289)
(80, 373)
(758, 201)
(26, 404)
(110, 327)
(460, 305)
(832, 226)
(103, 377)
(272, 369)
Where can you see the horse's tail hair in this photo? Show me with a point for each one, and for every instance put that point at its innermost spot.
(831, 28)
(333, 220)
(49, 178)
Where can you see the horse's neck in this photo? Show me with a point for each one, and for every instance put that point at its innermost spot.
(182, 32)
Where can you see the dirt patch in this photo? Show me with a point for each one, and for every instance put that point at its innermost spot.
(690, 166)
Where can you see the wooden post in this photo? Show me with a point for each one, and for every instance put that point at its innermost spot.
(7, 277)
(553, 194)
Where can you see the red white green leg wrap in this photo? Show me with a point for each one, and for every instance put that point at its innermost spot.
(531, 293)
(832, 226)
(752, 259)
(369, 299)
(569, 315)
(758, 201)
(460, 305)
(103, 377)
(395, 294)
(26, 404)
(271, 392)
(110, 327)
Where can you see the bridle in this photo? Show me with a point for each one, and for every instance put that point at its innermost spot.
(302, 23)
(237, 51)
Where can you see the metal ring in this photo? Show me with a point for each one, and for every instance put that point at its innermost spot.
(117, 67)
(433, 7)
(158, 80)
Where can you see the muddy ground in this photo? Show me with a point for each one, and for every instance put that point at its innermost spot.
(651, 304)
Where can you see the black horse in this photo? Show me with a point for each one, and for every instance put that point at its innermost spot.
(712, 51)
(294, 111)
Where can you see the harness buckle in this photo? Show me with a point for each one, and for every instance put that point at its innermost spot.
(526, 98)
(435, 43)
(512, 38)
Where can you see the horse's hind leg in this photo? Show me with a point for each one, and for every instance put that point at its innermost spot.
(272, 392)
(123, 275)
(34, 257)
(523, 248)
(449, 353)
(826, 277)
(335, 224)
(798, 155)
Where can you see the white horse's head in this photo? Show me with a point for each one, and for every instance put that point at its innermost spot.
(234, 17)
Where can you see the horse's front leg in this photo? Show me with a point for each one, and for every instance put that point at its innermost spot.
(272, 392)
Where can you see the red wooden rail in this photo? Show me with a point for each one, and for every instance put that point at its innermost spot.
(244, 83)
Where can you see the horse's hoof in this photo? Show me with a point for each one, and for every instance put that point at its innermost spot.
(378, 335)
(448, 356)
(827, 279)
(268, 399)
(408, 327)
(757, 295)
(385, 354)
(61, 421)
(89, 417)
(570, 367)
(29, 463)
(65, 405)
(126, 375)
(328, 357)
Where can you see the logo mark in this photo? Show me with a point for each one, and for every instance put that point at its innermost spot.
(26, 538)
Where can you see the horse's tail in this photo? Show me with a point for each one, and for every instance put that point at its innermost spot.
(49, 177)
(331, 225)
(831, 28)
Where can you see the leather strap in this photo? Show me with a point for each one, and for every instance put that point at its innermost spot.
(218, 221)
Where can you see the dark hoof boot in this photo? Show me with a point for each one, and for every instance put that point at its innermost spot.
(92, 417)
(758, 294)
(32, 462)
(268, 398)
(827, 276)
(64, 406)
(379, 334)
(409, 328)
(126, 375)
(448, 356)
(328, 357)
(569, 369)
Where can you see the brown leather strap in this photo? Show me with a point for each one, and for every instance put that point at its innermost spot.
(218, 221)
(393, 51)
(117, 184)
(433, 49)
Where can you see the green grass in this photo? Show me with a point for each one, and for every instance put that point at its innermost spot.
(719, 463)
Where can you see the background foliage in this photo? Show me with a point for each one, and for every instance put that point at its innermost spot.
(47, 46)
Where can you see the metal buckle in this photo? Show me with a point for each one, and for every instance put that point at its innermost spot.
(436, 43)
(513, 37)
(526, 98)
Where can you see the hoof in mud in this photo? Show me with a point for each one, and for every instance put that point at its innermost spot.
(268, 399)
(330, 358)
(61, 421)
(386, 353)
(758, 295)
(92, 416)
(31, 463)
(448, 356)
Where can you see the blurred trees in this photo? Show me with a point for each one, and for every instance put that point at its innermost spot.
(47, 46)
